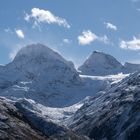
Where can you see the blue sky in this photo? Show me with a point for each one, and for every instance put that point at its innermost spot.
(74, 28)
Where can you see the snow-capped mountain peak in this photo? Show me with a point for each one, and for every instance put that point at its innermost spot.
(38, 58)
(39, 53)
(99, 63)
(46, 75)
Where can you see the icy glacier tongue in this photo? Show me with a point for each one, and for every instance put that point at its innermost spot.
(99, 63)
(115, 114)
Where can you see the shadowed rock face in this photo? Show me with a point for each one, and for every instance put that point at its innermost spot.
(13, 126)
(115, 115)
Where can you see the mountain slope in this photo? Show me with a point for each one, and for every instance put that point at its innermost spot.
(14, 126)
(18, 120)
(44, 124)
(114, 114)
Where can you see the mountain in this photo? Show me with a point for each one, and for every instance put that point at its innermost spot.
(113, 115)
(19, 121)
(99, 63)
(46, 98)
(13, 124)
(37, 62)
(39, 73)
(129, 67)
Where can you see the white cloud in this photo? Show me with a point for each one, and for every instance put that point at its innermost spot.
(88, 37)
(19, 33)
(67, 41)
(110, 26)
(133, 44)
(45, 16)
